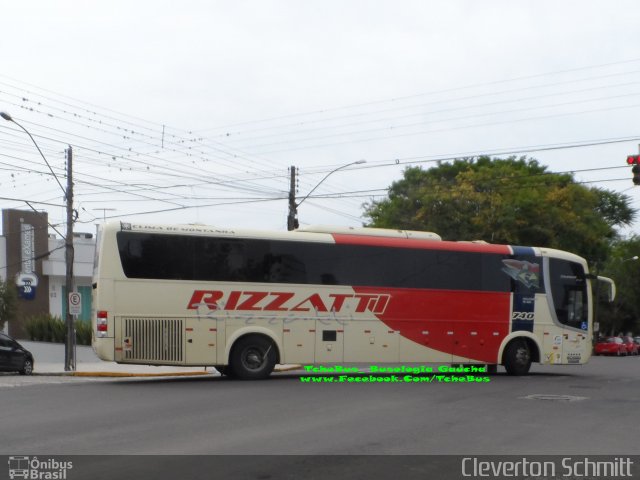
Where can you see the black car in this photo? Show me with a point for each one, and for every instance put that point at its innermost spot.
(14, 357)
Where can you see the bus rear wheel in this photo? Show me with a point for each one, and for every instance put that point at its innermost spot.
(252, 358)
(517, 358)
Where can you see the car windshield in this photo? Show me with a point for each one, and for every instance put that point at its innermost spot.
(613, 340)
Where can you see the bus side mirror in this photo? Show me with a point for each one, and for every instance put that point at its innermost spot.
(611, 290)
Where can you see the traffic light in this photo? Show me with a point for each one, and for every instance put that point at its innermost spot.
(635, 161)
(636, 174)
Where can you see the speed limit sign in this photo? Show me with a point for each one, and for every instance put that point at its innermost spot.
(75, 303)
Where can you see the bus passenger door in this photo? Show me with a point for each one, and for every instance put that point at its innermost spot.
(329, 342)
(201, 341)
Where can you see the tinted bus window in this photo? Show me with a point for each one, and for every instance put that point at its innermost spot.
(178, 257)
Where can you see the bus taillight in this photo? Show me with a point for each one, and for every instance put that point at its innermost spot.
(101, 323)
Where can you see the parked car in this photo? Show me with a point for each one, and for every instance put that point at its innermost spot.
(14, 357)
(632, 347)
(610, 346)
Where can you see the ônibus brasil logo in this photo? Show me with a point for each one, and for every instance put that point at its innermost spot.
(38, 469)
(288, 301)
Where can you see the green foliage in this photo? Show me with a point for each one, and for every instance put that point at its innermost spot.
(83, 332)
(45, 328)
(48, 328)
(8, 302)
(623, 315)
(511, 201)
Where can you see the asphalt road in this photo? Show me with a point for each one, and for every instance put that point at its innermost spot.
(595, 414)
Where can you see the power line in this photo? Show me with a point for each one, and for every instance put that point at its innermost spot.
(465, 106)
(437, 92)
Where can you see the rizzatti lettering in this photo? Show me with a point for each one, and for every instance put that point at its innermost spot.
(287, 301)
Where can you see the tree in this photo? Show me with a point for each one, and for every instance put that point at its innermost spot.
(623, 266)
(511, 201)
(8, 302)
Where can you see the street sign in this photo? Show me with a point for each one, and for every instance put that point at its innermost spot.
(75, 303)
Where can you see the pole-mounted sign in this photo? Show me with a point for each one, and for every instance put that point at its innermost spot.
(75, 303)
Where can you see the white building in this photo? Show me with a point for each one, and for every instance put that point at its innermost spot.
(84, 245)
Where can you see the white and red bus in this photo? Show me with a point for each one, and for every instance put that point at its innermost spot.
(244, 301)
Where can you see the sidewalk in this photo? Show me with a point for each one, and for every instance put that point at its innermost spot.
(49, 360)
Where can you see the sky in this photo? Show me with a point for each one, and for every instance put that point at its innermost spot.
(193, 111)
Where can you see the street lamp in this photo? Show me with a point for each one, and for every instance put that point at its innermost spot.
(292, 218)
(8, 118)
(69, 357)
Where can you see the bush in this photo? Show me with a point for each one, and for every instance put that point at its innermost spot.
(45, 327)
(83, 332)
(48, 328)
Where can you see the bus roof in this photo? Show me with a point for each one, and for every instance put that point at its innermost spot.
(371, 232)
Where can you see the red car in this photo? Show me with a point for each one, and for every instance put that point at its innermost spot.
(632, 347)
(610, 346)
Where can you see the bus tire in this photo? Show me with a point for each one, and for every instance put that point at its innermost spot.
(517, 357)
(252, 358)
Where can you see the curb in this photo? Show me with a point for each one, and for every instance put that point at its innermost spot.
(132, 374)
(118, 374)
(288, 369)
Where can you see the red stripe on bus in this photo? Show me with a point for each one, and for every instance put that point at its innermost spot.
(421, 244)
(414, 311)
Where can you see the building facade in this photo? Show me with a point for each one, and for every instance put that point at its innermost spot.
(34, 261)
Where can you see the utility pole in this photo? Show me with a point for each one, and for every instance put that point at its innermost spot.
(292, 218)
(69, 353)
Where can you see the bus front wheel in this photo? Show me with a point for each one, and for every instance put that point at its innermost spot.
(252, 358)
(517, 358)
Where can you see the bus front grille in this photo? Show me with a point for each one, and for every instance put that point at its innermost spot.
(152, 340)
